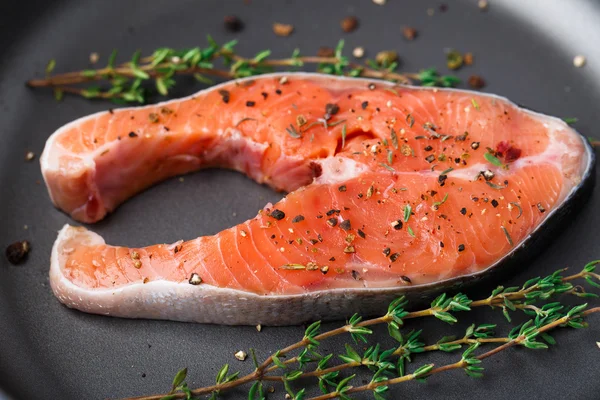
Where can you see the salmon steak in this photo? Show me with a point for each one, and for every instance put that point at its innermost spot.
(391, 190)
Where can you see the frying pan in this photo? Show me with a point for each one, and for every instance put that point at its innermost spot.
(524, 49)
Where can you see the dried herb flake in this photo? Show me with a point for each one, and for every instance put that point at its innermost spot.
(394, 139)
(346, 225)
(508, 238)
(494, 186)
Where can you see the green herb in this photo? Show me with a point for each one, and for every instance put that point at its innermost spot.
(439, 203)
(387, 167)
(494, 186)
(519, 208)
(178, 379)
(430, 77)
(410, 120)
(343, 136)
(475, 104)
(508, 238)
(447, 171)
(58, 94)
(330, 124)
(388, 363)
(454, 60)
(493, 159)
(394, 139)
(244, 120)
(407, 212)
(293, 132)
(410, 231)
(123, 83)
(50, 66)
(569, 120)
(390, 156)
(111, 59)
(315, 123)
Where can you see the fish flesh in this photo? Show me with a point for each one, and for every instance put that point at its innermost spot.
(391, 190)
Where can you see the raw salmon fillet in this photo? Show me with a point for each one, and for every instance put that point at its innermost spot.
(392, 190)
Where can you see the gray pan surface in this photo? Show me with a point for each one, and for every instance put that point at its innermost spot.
(523, 48)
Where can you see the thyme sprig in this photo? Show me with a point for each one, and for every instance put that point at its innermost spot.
(525, 336)
(126, 82)
(389, 366)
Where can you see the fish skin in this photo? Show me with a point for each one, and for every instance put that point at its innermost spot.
(356, 281)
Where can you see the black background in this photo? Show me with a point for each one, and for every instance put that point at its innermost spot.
(524, 49)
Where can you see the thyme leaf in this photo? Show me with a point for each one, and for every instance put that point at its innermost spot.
(494, 186)
(244, 120)
(389, 168)
(518, 207)
(293, 132)
(394, 139)
(447, 171)
(439, 203)
(493, 159)
(508, 238)
(407, 212)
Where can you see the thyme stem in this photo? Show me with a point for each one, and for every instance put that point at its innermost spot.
(126, 78)
(440, 308)
(432, 347)
(457, 365)
(71, 78)
(204, 390)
